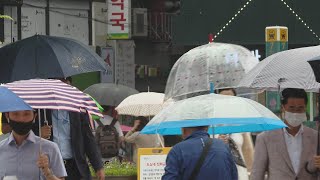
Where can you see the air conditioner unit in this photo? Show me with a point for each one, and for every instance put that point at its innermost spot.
(139, 22)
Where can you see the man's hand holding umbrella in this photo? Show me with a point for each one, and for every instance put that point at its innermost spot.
(46, 131)
(43, 164)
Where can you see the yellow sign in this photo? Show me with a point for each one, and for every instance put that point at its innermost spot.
(151, 162)
(276, 34)
(271, 35)
(283, 35)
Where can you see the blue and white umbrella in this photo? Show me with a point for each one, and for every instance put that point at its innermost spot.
(11, 102)
(227, 114)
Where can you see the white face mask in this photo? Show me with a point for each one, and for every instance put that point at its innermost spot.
(295, 119)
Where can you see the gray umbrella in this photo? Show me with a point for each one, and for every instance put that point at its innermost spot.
(110, 94)
(286, 69)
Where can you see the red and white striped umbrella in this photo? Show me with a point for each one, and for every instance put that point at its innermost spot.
(53, 94)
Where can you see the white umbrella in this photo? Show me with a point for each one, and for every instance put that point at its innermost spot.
(142, 104)
(218, 63)
(286, 69)
(228, 114)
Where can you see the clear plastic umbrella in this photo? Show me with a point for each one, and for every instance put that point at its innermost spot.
(227, 114)
(218, 63)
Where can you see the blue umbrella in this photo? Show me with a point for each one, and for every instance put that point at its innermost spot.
(227, 114)
(11, 102)
(47, 57)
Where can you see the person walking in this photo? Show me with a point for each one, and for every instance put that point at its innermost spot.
(288, 153)
(240, 144)
(72, 133)
(200, 157)
(21, 156)
(141, 140)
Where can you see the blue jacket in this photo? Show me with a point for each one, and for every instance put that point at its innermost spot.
(182, 158)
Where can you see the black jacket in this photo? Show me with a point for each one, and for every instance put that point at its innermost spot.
(82, 141)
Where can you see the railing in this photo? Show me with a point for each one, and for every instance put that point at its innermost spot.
(160, 26)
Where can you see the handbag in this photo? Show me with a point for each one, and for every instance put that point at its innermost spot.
(236, 153)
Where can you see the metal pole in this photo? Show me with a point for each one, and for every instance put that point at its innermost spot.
(19, 14)
(39, 123)
(47, 14)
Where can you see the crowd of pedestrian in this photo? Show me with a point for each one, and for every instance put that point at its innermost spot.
(70, 144)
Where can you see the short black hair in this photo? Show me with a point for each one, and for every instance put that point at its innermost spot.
(63, 79)
(143, 122)
(226, 89)
(69, 79)
(293, 93)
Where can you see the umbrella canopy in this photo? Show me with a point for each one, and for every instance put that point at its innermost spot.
(228, 114)
(47, 57)
(109, 94)
(9, 101)
(218, 63)
(287, 69)
(142, 104)
(53, 94)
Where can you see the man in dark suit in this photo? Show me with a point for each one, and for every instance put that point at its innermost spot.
(71, 131)
(75, 143)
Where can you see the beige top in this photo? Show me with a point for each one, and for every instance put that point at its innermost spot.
(142, 141)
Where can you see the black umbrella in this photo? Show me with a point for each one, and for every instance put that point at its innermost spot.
(46, 57)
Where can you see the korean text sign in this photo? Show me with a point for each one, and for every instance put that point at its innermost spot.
(151, 163)
(119, 17)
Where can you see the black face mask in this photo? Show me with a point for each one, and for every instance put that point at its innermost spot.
(21, 128)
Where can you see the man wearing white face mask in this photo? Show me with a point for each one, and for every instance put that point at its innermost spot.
(288, 153)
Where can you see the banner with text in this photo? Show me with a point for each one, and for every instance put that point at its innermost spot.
(119, 18)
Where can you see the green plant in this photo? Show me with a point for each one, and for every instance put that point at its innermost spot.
(117, 168)
(5, 17)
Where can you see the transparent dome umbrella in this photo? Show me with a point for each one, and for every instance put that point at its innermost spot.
(218, 63)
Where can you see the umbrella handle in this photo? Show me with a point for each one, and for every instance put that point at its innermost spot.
(39, 122)
(160, 140)
(211, 87)
(318, 152)
(310, 172)
(45, 117)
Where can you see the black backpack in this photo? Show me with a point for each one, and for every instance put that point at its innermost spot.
(107, 138)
